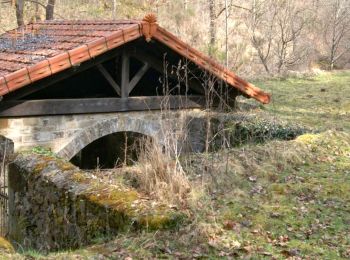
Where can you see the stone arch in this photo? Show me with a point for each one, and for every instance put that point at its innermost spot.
(105, 127)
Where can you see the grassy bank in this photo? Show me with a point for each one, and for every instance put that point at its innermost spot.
(321, 101)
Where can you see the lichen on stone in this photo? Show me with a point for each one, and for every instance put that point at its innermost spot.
(59, 201)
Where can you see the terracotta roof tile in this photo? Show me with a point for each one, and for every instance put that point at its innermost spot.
(36, 51)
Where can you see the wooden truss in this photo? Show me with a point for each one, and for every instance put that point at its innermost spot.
(14, 105)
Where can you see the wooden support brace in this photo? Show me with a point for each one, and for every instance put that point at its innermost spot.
(159, 66)
(136, 79)
(109, 78)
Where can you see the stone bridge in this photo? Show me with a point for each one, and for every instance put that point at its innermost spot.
(66, 135)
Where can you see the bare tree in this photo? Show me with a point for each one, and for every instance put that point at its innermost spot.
(212, 26)
(261, 22)
(337, 30)
(37, 12)
(291, 21)
(20, 12)
(114, 11)
(20, 4)
(50, 9)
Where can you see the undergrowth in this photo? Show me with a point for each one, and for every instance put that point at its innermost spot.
(262, 130)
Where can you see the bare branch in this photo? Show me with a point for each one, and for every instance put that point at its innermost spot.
(232, 5)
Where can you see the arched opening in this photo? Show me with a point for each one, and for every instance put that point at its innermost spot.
(110, 151)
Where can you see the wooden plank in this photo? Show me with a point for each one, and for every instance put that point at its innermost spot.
(109, 78)
(138, 76)
(125, 75)
(20, 108)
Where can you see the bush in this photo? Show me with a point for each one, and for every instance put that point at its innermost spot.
(263, 130)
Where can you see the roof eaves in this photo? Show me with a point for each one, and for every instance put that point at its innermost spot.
(67, 59)
(209, 64)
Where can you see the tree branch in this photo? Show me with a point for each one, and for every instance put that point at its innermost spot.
(232, 5)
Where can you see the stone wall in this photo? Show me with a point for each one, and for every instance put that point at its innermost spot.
(68, 134)
(54, 205)
(6, 151)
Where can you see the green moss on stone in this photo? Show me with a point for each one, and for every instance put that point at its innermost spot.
(308, 138)
(79, 177)
(100, 207)
(114, 198)
(161, 221)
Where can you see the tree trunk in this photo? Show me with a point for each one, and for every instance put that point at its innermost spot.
(20, 12)
(50, 9)
(37, 12)
(212, 27)
(114, 9)
(226, 33)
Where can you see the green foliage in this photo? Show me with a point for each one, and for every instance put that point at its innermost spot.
(43, 151)
(262, 130)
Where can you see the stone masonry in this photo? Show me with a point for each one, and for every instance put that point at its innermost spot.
(54, 205)
(66, 135)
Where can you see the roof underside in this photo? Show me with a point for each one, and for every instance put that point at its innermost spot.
(39, 50)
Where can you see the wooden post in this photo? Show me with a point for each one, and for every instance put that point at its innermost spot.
(125, 75)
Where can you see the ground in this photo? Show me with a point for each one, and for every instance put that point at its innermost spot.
(272, 200)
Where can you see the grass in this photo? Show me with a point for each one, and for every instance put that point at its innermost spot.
(272, 200)
(321, 101)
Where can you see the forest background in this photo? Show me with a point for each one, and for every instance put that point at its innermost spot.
(254, 38)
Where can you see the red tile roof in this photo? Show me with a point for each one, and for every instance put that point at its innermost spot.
(38, 50)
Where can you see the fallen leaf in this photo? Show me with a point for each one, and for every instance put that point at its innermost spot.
(229, 225)
(253, 178)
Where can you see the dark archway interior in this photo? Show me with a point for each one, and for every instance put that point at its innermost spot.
(110, 151)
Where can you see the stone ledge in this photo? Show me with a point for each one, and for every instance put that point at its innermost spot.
(55, 205)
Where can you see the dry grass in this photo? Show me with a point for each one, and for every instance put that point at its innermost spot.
(160, 176)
